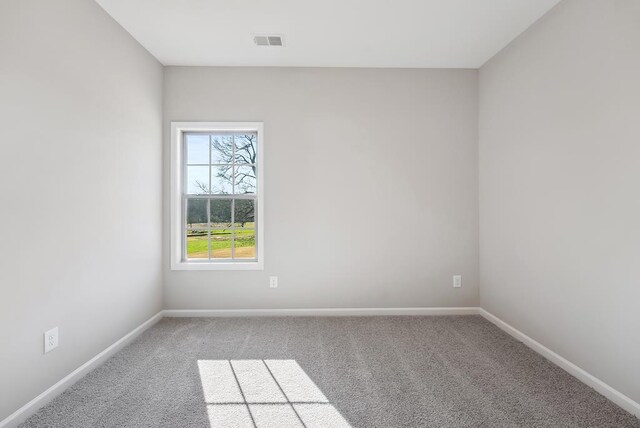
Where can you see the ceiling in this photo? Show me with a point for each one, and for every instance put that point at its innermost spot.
(327, 33)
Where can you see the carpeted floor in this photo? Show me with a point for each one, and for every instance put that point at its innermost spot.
(457, 371)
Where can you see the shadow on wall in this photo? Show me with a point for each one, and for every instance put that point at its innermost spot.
(264, 393)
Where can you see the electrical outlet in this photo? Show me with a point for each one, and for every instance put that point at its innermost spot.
(50, 340)
(273, 282)
(457, 281)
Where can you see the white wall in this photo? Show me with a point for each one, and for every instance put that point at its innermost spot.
(559, 186)
(80, 178)
(371, 185)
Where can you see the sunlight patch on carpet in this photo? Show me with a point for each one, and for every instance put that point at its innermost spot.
(264, 393)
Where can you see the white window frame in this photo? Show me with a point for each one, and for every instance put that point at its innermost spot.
(177, 225)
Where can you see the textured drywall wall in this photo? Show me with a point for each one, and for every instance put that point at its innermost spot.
(80, 179)
(559, 186)
(371, 185)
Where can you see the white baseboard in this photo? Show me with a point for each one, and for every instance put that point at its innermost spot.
(34, 405)
(616, 396)
(304, 312)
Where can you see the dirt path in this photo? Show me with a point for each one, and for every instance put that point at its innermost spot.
(225, 253)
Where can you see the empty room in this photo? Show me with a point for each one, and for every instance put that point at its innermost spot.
(336, 214)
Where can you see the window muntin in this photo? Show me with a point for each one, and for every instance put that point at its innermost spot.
(220, 196)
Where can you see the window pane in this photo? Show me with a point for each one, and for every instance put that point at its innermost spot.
(244, 213)
(197, 148)
(221, 149)
(246, 148)
(245, 244)
(197, 213)
(197, 244)
(197, 180)
(221, 213)
(221, 178)
(245, 180)
(221, 243)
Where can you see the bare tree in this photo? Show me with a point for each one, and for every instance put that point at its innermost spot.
(244, 153)
(243, 156)
(204, 187)
(244, 211)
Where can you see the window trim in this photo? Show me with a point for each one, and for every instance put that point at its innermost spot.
(177, 157)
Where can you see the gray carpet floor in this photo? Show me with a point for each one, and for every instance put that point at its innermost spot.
(448, 371)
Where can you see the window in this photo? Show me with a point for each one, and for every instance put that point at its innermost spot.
(216, 196)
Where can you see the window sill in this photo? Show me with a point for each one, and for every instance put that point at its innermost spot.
(218, 266)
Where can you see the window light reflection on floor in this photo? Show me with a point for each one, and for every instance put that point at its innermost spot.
(264, 393)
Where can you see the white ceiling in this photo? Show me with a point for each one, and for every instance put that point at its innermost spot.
(327, 33)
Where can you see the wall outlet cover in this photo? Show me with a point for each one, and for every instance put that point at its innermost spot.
(457, 281)
(273, 282)
(50, 340)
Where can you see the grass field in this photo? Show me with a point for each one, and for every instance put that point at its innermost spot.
(245, 243)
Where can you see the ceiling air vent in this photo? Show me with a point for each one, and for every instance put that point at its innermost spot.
(268, 40)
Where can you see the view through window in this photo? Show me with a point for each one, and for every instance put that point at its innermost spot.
(220, 198)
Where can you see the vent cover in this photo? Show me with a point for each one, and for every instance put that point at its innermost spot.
(268, 40)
